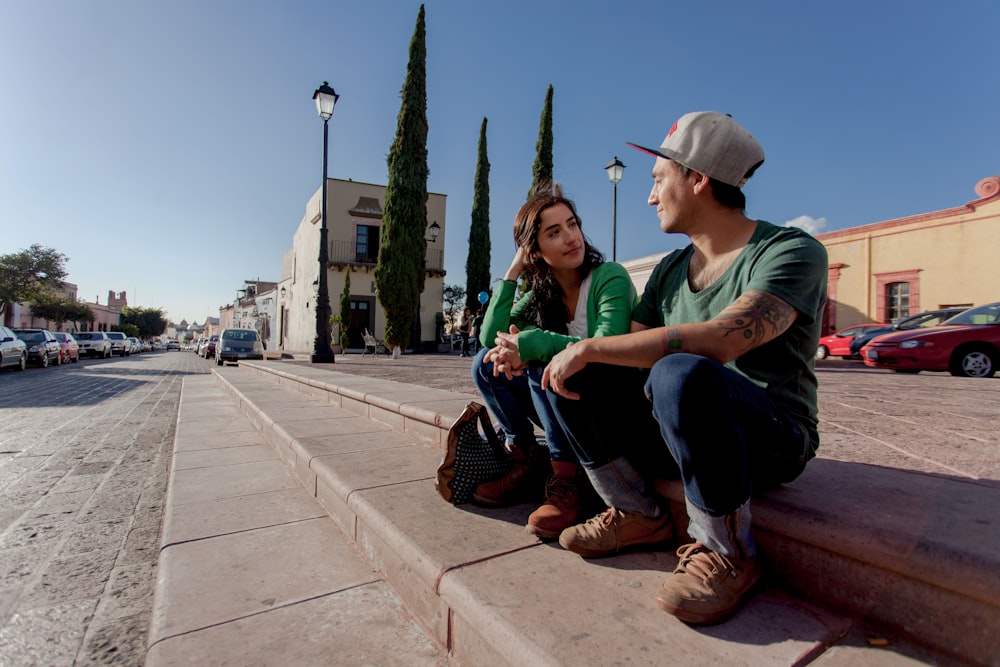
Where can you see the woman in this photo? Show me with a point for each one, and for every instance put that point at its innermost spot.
(574, 294)
(464, 328)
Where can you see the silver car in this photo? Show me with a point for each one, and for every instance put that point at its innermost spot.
(120, 344)
(13, 350)
(94, 344)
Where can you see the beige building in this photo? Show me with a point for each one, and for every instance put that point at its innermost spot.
(354, 220)
(887, 270)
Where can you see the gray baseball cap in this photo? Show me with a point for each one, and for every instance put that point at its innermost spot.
(713, 144)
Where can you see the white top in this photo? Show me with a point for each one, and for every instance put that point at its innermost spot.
(578, 325)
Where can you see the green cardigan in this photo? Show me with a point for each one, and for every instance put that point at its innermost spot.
(609, 313)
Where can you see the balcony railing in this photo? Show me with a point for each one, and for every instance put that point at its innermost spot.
(346, 252)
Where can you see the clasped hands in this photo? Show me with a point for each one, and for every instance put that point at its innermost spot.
(505, 355)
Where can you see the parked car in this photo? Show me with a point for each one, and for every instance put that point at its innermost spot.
(135, 345)
(13, 350)
(119, 344)
(208, 351)
(173, 345)
(967, 345)
(838, 344)
(199, 346)
(236, 344)
(928, 318)
(43, 348)
(94, 343)
(69, 348)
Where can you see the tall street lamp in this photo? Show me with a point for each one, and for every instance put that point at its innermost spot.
(615, 170)
(325, 98)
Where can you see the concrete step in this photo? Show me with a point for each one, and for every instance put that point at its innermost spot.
(252, 570)
(847, 545)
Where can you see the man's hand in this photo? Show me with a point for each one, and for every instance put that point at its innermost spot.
(562, 367)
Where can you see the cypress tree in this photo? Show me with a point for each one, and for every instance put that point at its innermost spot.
(542, 170)
(399, 274)
(345, 309)
(477, 264)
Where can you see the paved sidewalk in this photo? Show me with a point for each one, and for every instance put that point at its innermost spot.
(374, 482)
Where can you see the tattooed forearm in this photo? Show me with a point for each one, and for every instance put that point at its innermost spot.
(672, 340)
(756, 317)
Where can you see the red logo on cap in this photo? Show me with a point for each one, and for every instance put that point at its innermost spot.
(672, 129)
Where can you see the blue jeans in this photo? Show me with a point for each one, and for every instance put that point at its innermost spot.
(725, 434)
(520, 403)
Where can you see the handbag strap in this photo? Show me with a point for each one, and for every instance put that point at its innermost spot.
(491, 433)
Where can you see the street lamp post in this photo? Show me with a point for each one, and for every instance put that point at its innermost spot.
(325, 98)
(615, 170)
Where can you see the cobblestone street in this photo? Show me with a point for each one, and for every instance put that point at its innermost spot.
(84, 454)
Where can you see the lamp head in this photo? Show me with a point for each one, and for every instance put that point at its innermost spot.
(326, 98)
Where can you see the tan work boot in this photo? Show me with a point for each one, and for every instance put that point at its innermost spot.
(523, 482)
(706, 587)
(566, 493)
(613, 530)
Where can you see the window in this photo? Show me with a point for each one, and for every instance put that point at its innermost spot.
(366, 244)
(897, 300)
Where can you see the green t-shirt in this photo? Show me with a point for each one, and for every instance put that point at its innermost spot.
(783, 261)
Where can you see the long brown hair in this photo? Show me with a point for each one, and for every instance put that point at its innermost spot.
(546, 306)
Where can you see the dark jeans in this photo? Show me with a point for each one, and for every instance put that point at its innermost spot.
(725, 434)
(519, 403)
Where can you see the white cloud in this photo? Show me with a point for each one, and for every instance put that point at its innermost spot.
(812, 225)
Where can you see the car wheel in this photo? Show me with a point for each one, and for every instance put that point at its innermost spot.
(219, 362)
(822, 352)
(973, 363)
(59, 359)
(23, 363)
(43, 360)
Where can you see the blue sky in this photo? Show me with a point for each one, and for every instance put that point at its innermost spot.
(169, 148)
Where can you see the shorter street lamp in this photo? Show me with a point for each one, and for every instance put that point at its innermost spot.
(434, 229)
(615, 170)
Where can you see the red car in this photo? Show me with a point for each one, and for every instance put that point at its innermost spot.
(69, 348)
(838, 344)
(968, 345)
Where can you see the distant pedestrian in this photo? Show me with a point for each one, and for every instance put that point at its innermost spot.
(465, 329)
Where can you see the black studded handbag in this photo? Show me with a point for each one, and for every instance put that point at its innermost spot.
(474, 455)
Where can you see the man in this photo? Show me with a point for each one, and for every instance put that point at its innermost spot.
(728, 327)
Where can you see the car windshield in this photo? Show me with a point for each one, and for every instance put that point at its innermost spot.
(988, 314)
(239, 334)
(31, 336)
(61, 336)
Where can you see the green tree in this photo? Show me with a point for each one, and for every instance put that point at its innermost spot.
(58, 310)
(399, 274)
(127, 329)
(477, 263)
(29, 275)
(345, 309)
(542, 170)
(147, 321)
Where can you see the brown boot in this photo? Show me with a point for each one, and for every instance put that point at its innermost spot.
(523, 482)
(566, 493)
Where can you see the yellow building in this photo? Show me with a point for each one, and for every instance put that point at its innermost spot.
(887, 270)
(354, 221)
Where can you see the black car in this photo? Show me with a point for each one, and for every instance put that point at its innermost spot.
(43, 346)
(929, 318)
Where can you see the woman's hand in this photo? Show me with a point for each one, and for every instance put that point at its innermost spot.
(505, 355)
(520, 262)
